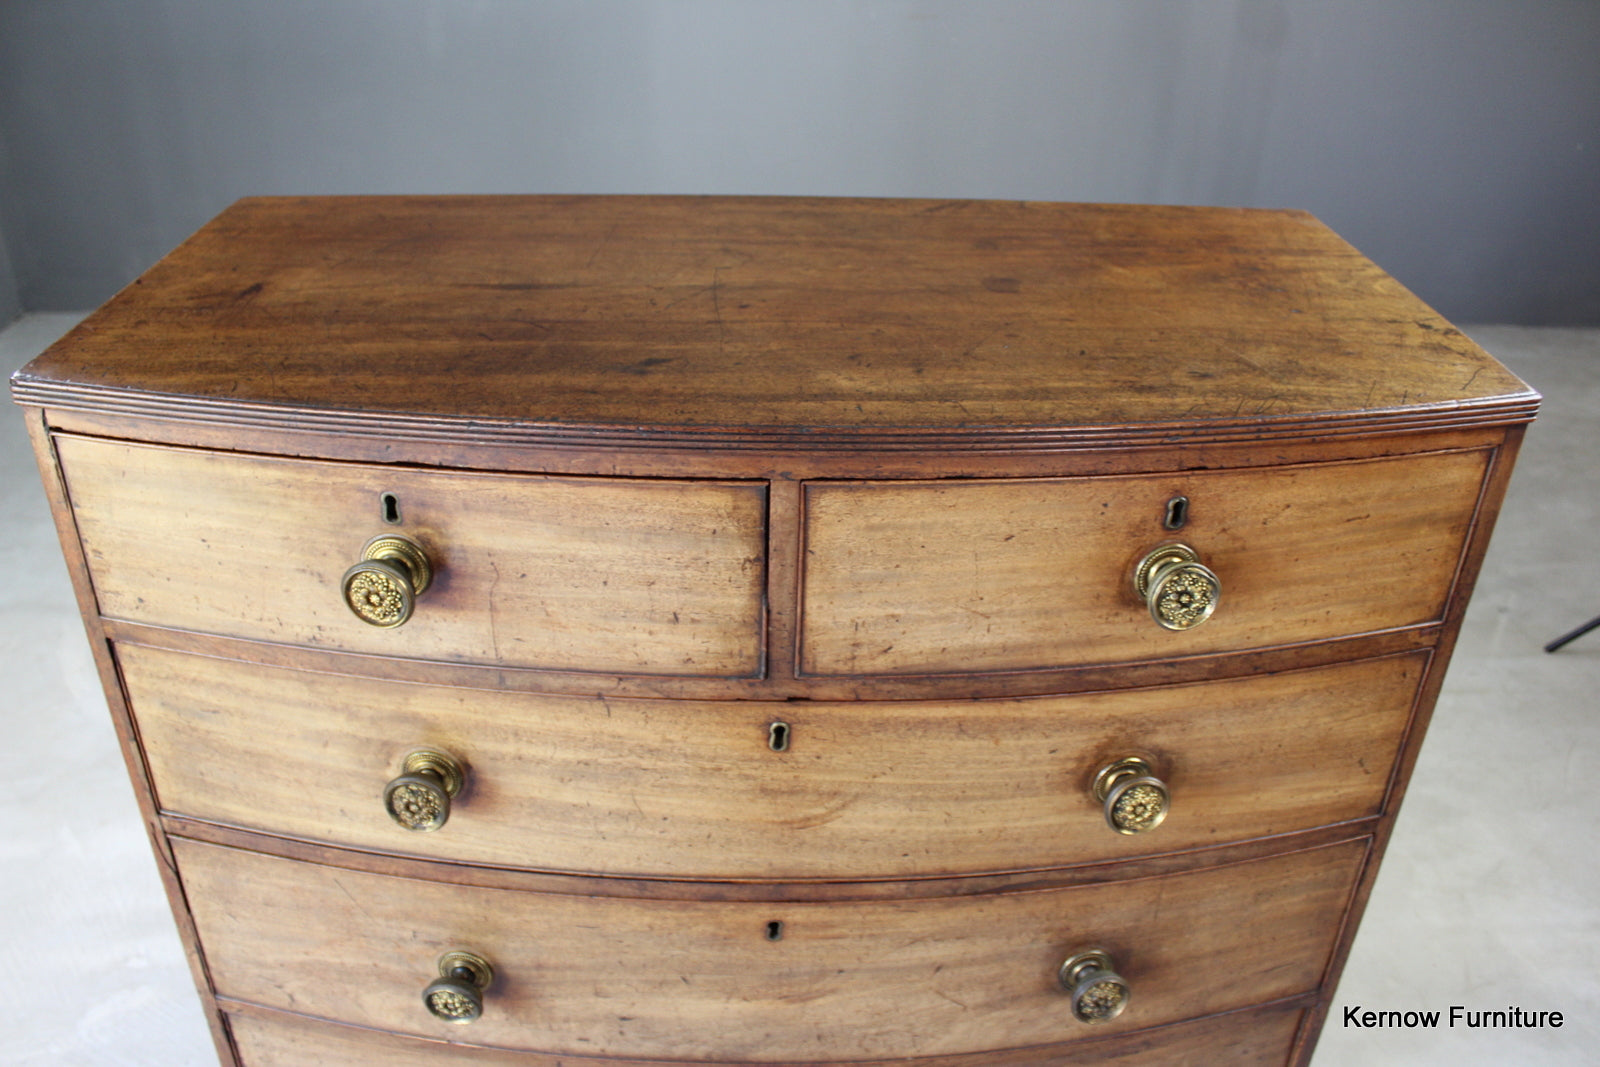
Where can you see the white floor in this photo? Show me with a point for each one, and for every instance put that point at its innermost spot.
(1490, 896)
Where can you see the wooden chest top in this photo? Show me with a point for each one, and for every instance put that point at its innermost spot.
(787, 322)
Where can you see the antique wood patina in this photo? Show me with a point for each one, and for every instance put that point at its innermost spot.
(754, 630)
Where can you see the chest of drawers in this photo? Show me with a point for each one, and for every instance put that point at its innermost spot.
(622, 631)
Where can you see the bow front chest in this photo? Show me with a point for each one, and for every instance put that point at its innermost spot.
(609, 631)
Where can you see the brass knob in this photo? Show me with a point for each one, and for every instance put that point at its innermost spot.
(420, 798)
(1098, 993)
(383, 588)
(1180, 591)
(1135, 800)
(456, 996)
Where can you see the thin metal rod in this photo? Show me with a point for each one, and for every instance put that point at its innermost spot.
(1579, 632)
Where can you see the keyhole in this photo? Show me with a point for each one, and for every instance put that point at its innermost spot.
(391, 508)
(775, 931)
(1177, 513)
(778, 737)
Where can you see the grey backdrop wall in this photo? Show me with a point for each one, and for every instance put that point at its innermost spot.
(1455, 141)
(10, 297)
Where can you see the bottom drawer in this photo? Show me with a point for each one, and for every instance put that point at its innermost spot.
(1260, 1037)
(721, 981)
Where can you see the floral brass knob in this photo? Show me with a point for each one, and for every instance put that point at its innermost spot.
(1180, 591)
(1098, 993)
(383, 588)
(419, 799)
(1135, 800)
(456, 996)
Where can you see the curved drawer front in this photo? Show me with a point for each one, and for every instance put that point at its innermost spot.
(959, 576)
(587, 574)
(694, 789)
(1255, 1038)
(607, 976)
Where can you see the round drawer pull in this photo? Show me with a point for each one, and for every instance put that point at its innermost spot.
(456, 996)
(1180, 591)
(420, 798)
(1135, 799)
(1098, 993)
(383, 588)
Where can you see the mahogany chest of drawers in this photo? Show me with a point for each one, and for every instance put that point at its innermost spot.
(619, 631)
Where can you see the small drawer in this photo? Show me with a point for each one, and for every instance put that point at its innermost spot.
(1258, 1037)
(586, 574)
(764, 981)
(695, 789)
(972, 576)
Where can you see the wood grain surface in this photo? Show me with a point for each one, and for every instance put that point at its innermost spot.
(654, 576)
(794, 321)
(653, 788)
(905, 577)
(1254, 1038)
(613, 977)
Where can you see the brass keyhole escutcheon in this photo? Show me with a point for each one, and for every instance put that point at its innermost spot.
(1134, 799)
(382, 589)
(419, 799)
(1098, 993)
(1177, 516)
(1180, 591)
(456, 996)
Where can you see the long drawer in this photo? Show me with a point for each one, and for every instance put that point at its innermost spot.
(695, 788)
(962, 576)
(1253, 1038)
(762, 981)
(593, 574)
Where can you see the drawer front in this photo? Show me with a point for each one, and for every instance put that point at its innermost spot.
(694, 789)
(607, 976)
(959, 576)
(562, 573)
(1257, 1038)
